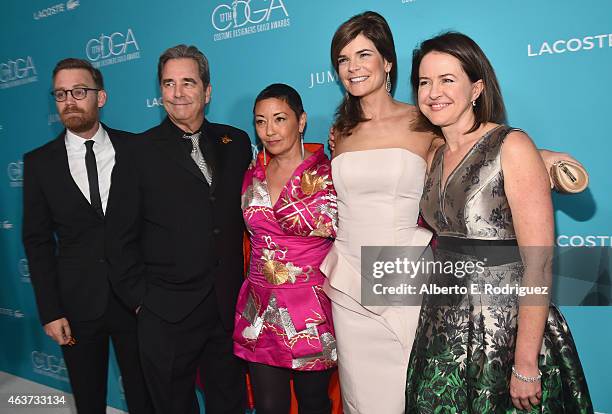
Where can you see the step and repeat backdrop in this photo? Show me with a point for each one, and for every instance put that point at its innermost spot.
(553, 59)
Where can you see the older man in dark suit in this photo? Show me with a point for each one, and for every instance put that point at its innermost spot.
(68, 196)
(177, 260)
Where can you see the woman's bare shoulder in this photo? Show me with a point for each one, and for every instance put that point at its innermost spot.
(407, 110)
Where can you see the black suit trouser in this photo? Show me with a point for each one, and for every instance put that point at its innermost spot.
(172, 353)
(87, 360)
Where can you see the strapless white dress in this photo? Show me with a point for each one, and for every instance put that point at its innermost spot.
(378, 205)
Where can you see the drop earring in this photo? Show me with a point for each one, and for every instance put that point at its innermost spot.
(474, 102)
(302, 142)
(388, 84)
(264, 157)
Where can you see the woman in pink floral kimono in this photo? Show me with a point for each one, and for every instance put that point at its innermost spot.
(283, 319)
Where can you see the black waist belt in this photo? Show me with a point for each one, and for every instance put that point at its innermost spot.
(491, 252)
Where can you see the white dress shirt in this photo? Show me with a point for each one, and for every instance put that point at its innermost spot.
(105, 160)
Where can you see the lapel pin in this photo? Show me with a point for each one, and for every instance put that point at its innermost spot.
(225, 139)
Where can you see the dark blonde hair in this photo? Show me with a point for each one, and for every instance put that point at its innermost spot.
(490, 104)
(374, 27)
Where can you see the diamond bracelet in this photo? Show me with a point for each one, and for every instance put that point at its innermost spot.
(525, 378)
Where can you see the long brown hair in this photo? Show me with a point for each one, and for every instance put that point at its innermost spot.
(374, 27)
(490, 104)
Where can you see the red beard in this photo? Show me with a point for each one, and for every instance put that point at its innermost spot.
(79, 123)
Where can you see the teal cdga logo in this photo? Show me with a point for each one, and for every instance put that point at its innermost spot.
(15, 72)
(117, 47)
(49, 365)
(14, 171)
(243, 12)
(246, 17)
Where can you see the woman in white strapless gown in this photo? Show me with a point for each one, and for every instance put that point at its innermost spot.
(378, 205)
(378, 172)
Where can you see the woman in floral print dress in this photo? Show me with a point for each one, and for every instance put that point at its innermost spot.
(283, 324)
(487, 198)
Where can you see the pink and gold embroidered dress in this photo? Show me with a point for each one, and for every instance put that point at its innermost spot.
(283, 318)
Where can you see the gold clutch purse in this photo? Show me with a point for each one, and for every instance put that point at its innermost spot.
(569, 177)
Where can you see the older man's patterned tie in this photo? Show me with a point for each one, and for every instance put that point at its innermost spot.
(196, 154)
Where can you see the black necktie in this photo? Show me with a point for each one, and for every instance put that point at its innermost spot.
(92, 177)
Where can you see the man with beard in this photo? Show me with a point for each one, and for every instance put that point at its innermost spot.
(176, 253)
(67, 198)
